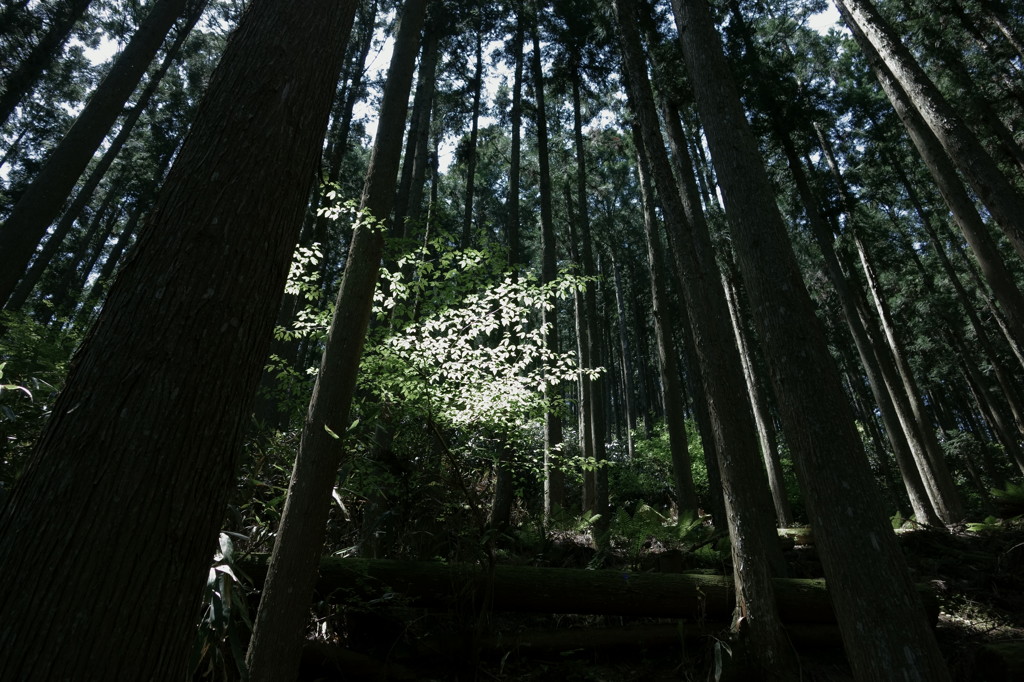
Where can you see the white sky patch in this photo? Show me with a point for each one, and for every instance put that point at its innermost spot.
(825, 20)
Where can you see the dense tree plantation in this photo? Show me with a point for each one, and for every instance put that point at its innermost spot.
(337, 337)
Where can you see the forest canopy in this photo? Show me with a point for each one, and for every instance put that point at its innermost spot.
(488, 283)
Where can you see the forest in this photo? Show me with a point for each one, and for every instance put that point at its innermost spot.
(518, 340)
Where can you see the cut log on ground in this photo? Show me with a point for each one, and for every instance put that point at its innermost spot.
(697, 598)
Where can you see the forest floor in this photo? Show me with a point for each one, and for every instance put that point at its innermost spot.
(977, 574)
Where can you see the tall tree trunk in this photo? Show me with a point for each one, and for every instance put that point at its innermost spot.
(44, 199)
(747, 499)
(594, 407)
(896, 371)
(627, 358)
(673, 395)
(554, 475)
(277, 635)
(1003, 200)
(474, 131)
(762, 416)
(152, 416)
(935, 474)
(512, 226)
(23, 78)
(880, 616)
(410, 188)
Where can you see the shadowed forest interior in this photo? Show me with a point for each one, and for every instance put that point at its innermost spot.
(525, 340)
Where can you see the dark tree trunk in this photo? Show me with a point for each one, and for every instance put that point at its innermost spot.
(554, 473)
(127, 487)
(512, 224)
(474, 131)
(594, 386)
(627, 358)
(44, 199)
(766, 432)
(673, 395)
(883, 626)
(410, 188)
(278, 632)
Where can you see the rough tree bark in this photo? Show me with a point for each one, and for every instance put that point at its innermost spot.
(127, 487)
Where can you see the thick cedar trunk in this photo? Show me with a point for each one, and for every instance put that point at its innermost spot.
(1003, 200)
(22, 80)
(568, 590)
(684, 166)
(877, 366)
(85, 192)
(884, 629)
(849, 296)
(672, 390)
(583, 352)
(127, 487)
(278, 630)
(747, 499)
(44, 199)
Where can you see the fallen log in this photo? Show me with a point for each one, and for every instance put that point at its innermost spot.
(697, 598)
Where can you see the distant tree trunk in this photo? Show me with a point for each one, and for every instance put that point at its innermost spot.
(44, 199)
(278, 630)
(995, 13)
(897, 374)
(1003, 200)
(880, 616)
(627, 358)
(594, 407)
(935, 473)
(673, 395)
(756, 553)
(85, 192)
(410, 188)
(512, 226)
(153, 412)
(477, 84)
(354, 76)
(554, 473)
(758, 401)
(588, 491)
(23, 78)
